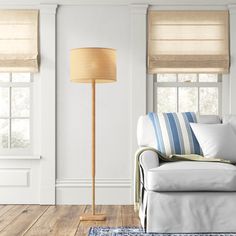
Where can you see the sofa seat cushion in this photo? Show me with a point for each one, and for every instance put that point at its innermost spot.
(192, 176)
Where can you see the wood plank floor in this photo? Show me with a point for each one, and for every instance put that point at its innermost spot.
(36, 220)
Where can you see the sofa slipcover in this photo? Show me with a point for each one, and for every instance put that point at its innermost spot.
(184, 197)
(191, 176)
(184, 211)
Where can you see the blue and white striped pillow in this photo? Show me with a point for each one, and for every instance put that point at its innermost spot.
(174, 134)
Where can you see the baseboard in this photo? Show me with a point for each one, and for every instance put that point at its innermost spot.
(108, 191)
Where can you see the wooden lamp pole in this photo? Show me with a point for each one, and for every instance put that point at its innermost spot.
(93, 216)
(100, 65)
(93, 142)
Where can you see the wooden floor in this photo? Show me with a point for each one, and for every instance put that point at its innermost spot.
(17, 220)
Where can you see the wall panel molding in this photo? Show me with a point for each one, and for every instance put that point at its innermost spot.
(19, 182)
(119, 2)
(138, 72)
(232, 8)
(108, 191)
(14, 177)
(48, 102)
(139, 9)
(100, 183)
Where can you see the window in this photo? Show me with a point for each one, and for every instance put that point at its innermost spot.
(188, 92)
(15, 113)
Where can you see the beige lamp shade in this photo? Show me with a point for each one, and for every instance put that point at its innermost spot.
(89, 65)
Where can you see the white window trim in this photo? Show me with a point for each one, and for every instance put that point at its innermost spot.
(188, 84)
(4, 153)
(32, 153)
(35, 116)
(20, 157)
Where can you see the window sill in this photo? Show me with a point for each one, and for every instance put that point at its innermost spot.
(20, 157)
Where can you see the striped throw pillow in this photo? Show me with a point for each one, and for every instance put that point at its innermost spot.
(174, 134)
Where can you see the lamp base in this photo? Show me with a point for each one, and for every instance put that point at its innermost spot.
(91, 217)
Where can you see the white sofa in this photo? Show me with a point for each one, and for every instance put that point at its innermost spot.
(186, 196)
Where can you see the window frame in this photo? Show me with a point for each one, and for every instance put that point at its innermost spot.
(20, 151)
(196, 84)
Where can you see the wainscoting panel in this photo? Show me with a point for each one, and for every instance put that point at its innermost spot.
(13, 177)
(108, 191)
(19, 181)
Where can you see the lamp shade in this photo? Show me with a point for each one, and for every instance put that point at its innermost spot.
(89, 65)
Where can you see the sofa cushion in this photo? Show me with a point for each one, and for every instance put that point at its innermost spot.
(192, 176)
(173, 134)
(208, 119)
(231, 120)
(146, 134)
(216, 140)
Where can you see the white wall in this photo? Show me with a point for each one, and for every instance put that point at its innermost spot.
(118, 104)
(110, 23)
(97, 26)
(232, 75)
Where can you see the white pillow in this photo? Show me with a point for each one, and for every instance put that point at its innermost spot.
(230, 119)
(216, 140)
(208, 119)
(145, 133)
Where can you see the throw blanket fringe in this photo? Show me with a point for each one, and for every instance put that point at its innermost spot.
(171, 158)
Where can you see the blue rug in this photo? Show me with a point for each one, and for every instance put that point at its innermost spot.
(125, 231)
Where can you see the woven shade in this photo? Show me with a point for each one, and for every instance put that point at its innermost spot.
(188, 41)
(19, 40)
(93, 64)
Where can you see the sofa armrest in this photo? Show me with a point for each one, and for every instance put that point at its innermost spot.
(147, 160)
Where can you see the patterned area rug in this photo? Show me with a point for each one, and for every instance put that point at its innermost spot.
(107, 231)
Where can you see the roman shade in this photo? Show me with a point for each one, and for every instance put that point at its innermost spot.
(19, 40)
(188, 41)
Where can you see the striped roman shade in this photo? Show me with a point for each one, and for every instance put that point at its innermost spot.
(188, 41)
(19, 40)
(174, 134)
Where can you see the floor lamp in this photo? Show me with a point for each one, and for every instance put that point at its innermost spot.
(93, 65)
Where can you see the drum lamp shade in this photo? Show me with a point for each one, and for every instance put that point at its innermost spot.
(88, 65)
